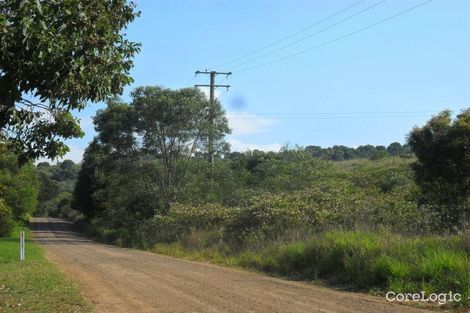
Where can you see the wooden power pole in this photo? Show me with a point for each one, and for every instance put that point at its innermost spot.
(212, 87)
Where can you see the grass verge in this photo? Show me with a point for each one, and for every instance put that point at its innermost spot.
(34, 285)
(372, 261)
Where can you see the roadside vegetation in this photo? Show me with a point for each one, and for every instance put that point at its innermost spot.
(34, 285)
(19, 188)
(370, 261)
(56, 184)
(159, 175)
(79, 54)
(371, 218)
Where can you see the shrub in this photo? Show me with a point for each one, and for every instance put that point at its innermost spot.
(271, 216)
(442, 169)
(6, 219)
(181, 219)
(287, 217)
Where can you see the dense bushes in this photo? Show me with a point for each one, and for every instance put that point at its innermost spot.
(267, 217)
(122, 179)
(348, 195)
(56, 184)
(18, 190)
(18, 185)
(6, 220)
(442, 168)
(254, 198)
(181, 220)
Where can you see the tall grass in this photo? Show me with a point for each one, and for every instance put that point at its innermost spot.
(378, 261)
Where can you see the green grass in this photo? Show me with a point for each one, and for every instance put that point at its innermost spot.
(368, 261)
(34, 285)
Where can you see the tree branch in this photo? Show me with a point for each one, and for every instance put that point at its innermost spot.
(31, 104)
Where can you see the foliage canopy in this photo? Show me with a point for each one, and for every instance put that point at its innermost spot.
(54, 57)
(442, 169)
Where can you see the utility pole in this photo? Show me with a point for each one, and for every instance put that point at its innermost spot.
(212, 87)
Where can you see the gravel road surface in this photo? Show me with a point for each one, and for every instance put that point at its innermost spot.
(124, 280)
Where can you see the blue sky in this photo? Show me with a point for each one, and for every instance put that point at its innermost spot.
(370, 88)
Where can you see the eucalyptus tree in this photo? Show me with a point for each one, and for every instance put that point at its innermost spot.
(144, 151)
(175, 125)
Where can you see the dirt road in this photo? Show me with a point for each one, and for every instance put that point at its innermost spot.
(124, 280)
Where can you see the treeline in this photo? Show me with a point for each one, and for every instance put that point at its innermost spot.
(340, 153)
(27, 190)
(146, 177)
(56, 185)
(18, 190)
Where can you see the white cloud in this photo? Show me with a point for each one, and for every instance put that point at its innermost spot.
(247, 123)
(237, 145)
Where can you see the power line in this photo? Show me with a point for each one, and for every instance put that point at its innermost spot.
(333, 113)
(311, 35)
(331, 117)
(190, 82)
(292, 34)
(337, 38)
